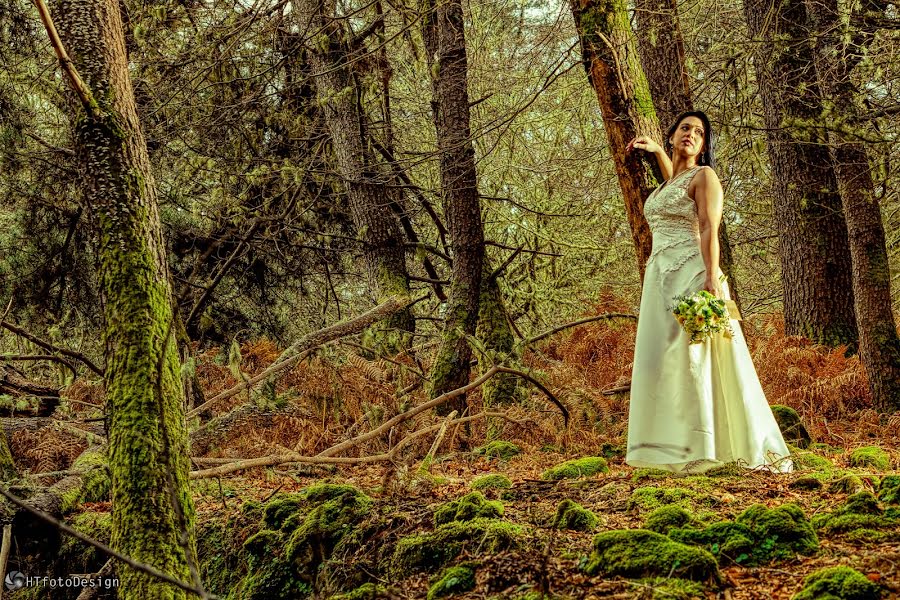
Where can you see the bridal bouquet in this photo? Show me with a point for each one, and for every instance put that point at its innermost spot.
(701, 315)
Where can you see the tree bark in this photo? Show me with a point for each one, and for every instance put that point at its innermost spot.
(662, 55)
(445, 44)
(338, 90)
(614, 71)
(878, 341)
(813, 244)
(151, 502)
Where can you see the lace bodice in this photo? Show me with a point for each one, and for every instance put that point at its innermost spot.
(673, 220)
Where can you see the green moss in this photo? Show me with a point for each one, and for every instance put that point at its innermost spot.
(367, 591)
(838, 583)
(732, 469)
(498, 449)
(261, 545)
(493, 481)
(670, 588)
(870, 456)
(889, 490)
(570, 515)
(430, 551)
(95, 482)
(579, 467)
(806, 483)
(641, 553)
(804, 459)
(454, 580)
(791, 426)
(860, 511)
(471, 506)
(281, 507)
(666, 518)
(79, 557)
(639, 475)
(759, 535)
(846, 484)
(7, 465)
(651, 497)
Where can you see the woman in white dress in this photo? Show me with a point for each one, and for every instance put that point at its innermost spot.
(693, 406)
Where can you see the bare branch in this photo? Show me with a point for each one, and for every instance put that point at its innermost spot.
(602, 317)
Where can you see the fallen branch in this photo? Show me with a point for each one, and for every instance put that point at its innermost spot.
(296, 351)
(540, 386)
(602, 317)
(272, 460)
(50, 347)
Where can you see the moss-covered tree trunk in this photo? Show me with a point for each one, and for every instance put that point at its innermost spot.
(878, 342)
(7, 465)
(445, 45)
(614, 70)
(147, 438)
(340, 95)
(662, 56)
(813, 245)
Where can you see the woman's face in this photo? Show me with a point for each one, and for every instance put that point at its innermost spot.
(688, 137)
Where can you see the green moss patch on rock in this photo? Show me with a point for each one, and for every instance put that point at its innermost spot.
(75, 555)
(838, 583)
(759, 535)
(281, 507)
(806, 483)
(791, 426)
(871, 457)
(500, 449)
(670, 588)
(430, 551)
(889, 489)
(665, 518)
(637, 553)
(367, 591)
(651, 497)
(492, 481)
(807, 460)
(571, 515)
(471, 506)
(849, 483)
(453, 580)
(579, 467)
(860, 511)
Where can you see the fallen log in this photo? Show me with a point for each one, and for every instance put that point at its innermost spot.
(39, 400)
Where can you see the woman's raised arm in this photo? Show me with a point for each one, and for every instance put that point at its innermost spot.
(642, 142)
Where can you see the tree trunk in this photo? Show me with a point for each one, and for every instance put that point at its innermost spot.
(338, 91)
(445, 44)
(147, 438)
(662, 56)
(614, 71)
(878, 341)
(813, 245)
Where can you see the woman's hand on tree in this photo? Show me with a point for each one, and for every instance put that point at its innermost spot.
(642, 142)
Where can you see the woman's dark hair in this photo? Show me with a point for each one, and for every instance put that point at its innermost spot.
(707, 157)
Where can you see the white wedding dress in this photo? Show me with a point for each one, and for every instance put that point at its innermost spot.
(693, 406)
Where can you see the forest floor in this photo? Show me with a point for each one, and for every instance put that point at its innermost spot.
(391, 529)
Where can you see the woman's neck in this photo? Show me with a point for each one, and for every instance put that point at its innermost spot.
(681, 163)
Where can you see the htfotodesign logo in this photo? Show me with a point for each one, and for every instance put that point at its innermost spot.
(15, 580)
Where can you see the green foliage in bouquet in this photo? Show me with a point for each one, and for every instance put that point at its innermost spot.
(701, 315)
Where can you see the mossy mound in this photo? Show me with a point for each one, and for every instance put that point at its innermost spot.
(759, 535)
(670, 588)
(872, 457)
(805, 459)
(651, 497)
(665, 518)
(732, 469)
(640, 474)
(791, 426)
(430, 551)
(493, 481)
(838, 583)
(281, 507)
(471, 506)
(453, 580)
(75, 555)
(889, 489)
(861, 511)
(498, 449)
(367, 591)
(571, 515)
(637, 553)
(579, 467)
(849, 483)
(806, 482)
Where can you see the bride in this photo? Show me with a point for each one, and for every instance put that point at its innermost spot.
(693, 406)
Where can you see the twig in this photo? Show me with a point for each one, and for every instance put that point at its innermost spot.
(429, 457)
(37, 357)
(297, 350)
(138, 566)
(540, 386)
(89, 592)
(4, 551)
(48, 346)
(550, 332)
